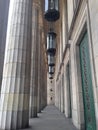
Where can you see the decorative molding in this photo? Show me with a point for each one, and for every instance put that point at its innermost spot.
(74, 18)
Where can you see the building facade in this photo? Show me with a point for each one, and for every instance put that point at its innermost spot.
(25, 87)
(76, 74)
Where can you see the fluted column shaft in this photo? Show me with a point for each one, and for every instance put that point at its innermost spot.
(43, 82)
(14, 104)
(44, 85)
(59, 96)
(62, 95)
(39, 71)
(34, 63)
(35, 87)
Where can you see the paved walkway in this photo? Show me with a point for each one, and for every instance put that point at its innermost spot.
(51, 119)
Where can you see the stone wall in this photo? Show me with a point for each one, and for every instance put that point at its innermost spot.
(81, 16)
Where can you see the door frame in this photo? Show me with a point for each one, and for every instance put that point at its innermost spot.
(92, 94)
(78, 68)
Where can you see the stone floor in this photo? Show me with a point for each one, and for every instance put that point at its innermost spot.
(51, 119)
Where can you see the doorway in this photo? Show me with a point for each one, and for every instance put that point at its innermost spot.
(87, 88)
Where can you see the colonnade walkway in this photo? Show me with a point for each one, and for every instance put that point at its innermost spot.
(51, 119)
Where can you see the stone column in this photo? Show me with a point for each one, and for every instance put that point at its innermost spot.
(14, 104)
(56, 94)
(33, 54)
(62, 93)
(39, 72)
(42, 79)
(42, 82)
(34, 63)
(59, 94)
(45, 85)
(61, 87)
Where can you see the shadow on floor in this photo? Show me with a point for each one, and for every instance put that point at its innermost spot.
(51, 119)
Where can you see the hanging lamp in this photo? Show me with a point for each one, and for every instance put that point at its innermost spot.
(52, 10)
(51, 42)
(51, 70)
(50, 76)
(51, 60)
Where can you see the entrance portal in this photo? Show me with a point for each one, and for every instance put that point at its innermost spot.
(89, 110)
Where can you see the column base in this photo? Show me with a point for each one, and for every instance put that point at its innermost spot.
(34, 116)
(17, 128)
(13, 120)
(34, 112)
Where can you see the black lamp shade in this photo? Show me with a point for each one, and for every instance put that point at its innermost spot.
(51, 42)
(52, 10)
(51, 70)
(51, 60)
(50, 76)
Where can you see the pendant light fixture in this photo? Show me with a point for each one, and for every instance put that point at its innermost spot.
(51, 60)
(51, 70)
(52, 10)
(51, 42)
(50, 76)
